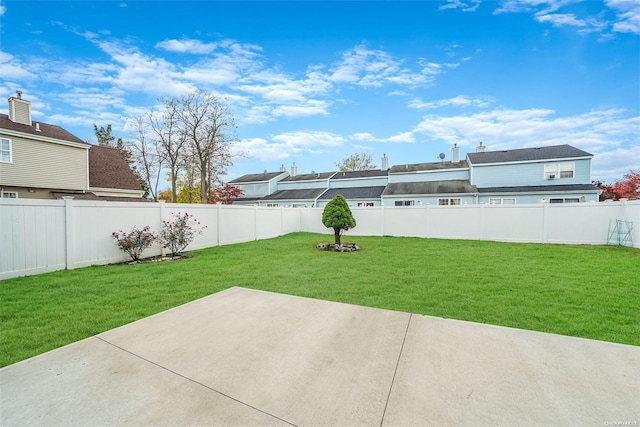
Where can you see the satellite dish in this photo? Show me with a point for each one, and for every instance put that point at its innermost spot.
(441, 155)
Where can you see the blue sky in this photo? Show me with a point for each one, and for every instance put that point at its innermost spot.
(314, 82)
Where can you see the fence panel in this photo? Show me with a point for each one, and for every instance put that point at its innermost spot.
(93, 223)
(512, 223)
(32, 237)
(46, 235)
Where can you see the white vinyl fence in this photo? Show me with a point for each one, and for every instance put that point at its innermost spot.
(38, 236)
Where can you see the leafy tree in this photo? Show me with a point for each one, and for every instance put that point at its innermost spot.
(337, 215)
(356, 162)
(606, 192)
(224, 194)
(628, 187)
(103, 135)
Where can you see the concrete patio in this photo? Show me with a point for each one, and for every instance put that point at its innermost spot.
(246, 357)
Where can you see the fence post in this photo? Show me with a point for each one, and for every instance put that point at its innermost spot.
(482, 214)
(255, 222)
(218, 225)
(68, 231)
(163, 251)
(545, 224)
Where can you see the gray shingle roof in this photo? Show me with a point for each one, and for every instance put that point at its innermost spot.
(46, 130)
(418, 167)
(301, 194)
(354, 193)
(309, 176)
(373, 173)
(539, 188)
(256, 177)
(430, 187)
(527, 154)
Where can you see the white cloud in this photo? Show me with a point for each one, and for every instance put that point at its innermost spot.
(596, 132)
(288, 144)
(402, 137)
(12, 68)
(3, 9)
(366, 67)
(611, 165)
(186, 46)
(457, 101)
(628, 14)
(465, 6)
(309, 108)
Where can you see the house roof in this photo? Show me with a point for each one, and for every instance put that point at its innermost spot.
(301, 194)
(527, 154)
(91, 196)
(46, 130)
(372, 173)
(540, 188)
(420, 167)
(459, 186)
(256, 177)
(309, 177)
(109, 169)
(353, 193)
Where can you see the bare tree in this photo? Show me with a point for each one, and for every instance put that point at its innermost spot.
(148, 154)
(209, 131)
(166, 126)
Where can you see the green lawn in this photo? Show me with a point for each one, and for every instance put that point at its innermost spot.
(584, 291)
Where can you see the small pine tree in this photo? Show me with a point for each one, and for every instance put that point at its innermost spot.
(337, 215)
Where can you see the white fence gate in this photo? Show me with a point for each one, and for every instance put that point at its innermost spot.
(38, 236)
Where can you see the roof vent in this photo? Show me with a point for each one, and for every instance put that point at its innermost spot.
(37, 127)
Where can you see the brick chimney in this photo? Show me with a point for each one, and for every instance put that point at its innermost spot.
(19, 109)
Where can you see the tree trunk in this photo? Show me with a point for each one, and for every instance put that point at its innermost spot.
(336, 233)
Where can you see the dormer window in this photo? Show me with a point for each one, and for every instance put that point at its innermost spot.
(559, 170)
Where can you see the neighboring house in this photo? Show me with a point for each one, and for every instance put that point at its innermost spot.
(556, 174)
(43, 161)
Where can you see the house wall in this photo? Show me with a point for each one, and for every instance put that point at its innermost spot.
(436, 175)
(297, 185)
(38, 236)
(538, 198)
(258, 189)
(358, 182)
(501, 175)
(420, 200)
(45, 165)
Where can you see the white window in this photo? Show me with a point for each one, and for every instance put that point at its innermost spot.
(272, 205)
(448, 202)
(9, 194)
(365, 204)
(559, 170)
(565, 200)
(5, 150)
(502, 201)
(405, 202)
